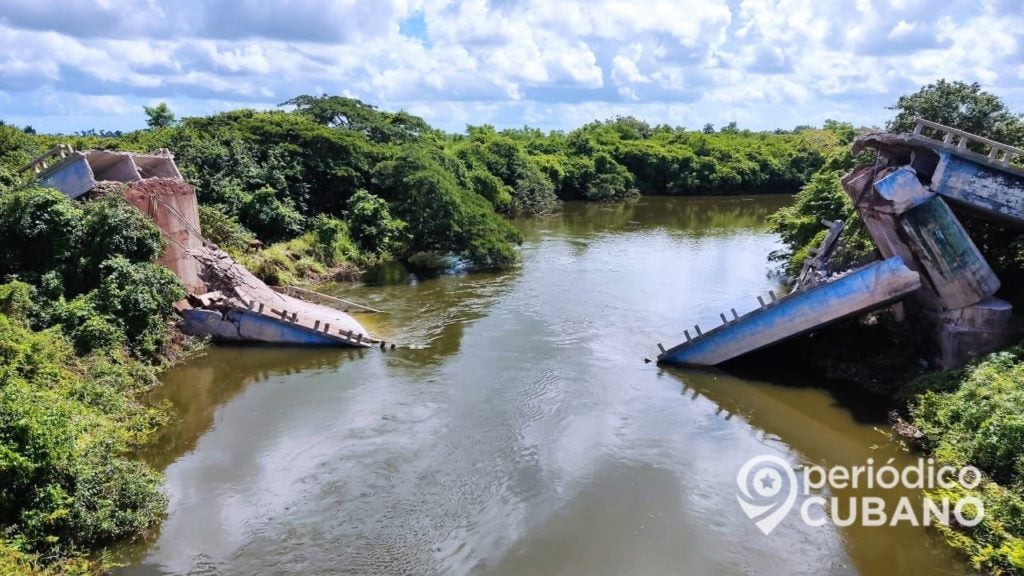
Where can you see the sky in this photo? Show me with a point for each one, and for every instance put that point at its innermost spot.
(553, 64)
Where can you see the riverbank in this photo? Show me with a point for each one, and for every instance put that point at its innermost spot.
(85, 326)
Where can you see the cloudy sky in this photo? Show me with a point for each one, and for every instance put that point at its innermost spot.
(554, 64)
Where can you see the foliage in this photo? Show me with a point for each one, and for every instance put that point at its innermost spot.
(351, 114)
(371, 225)
(270, 217)
(224, 230)
(960, 105)
(973, 417)
(139, 296)
(111, 228)
(40, 231)
(16, 561)
(331, 241)
(67, 426)
(980, 422)
(440, 214)
(159, 116)
(16, 301)
(51, 241)
(68, 415)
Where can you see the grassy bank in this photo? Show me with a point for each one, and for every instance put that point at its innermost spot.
(973, 416)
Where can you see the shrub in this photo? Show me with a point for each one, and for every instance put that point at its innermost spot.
(224, 230)
(371, 225)
(534, 193)
(16, 301)
(973, 416)
(492, 188)
(66, 429)
(269, 217)
(40, 230)
(87, 328)
(330, 241)
(980, 422)
(139, 297)
(113, 228)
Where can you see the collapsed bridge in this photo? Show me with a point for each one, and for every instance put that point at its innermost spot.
(225, 301)
(903, 200)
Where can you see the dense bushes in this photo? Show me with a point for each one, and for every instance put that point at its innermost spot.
(974, 417)
(67, 425)
(269, 174)
(83, 318)
(60, 245)
(372, 227)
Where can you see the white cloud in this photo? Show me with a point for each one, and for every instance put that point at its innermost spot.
(767, 62)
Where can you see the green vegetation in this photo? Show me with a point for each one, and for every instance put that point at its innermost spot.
(83, 326)
(159, 116)
(823, 198)
(970, 416)
(268, 176)
(974, 417)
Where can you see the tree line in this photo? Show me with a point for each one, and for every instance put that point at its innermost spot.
(274, 175)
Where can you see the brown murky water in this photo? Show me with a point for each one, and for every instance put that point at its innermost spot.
(519, 431)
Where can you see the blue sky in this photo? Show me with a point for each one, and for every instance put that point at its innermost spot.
(553, 64)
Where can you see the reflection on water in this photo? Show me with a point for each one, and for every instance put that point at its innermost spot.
(518, 429)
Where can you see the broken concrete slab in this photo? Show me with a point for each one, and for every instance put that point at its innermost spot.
(868, 288)
(954, 265)
(901, 190)
(973, 331)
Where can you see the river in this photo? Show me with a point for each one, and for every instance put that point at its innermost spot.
(517, 429)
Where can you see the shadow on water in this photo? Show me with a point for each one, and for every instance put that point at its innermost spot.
(820, 423)
(695, 216)
(865, 407)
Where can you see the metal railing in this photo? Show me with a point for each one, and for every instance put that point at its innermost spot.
(998, 152)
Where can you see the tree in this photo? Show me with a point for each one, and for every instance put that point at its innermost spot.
(960, 105)
(355, 115)
(730, 128)
(709, 128)
(269, 217)
(372, 226)
(159, 116)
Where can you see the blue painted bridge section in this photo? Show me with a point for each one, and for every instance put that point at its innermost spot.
(868, 288)
(239, 325)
